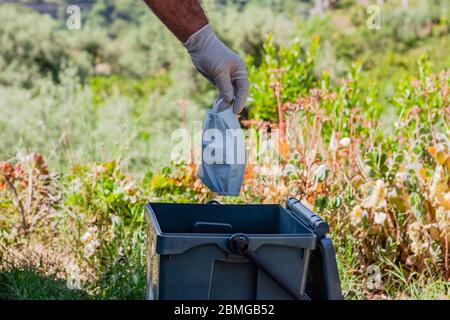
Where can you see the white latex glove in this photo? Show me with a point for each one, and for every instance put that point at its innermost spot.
(221, 66)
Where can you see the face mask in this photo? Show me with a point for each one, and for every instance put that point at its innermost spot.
(223, 151)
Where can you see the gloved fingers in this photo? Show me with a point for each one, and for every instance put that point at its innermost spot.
(241, 93)
(219, 104)
(205, 75)
(223, 83)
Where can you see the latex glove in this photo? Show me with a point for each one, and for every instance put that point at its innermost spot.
(221, 66)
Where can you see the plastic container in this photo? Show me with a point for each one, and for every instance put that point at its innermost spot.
(190, 256)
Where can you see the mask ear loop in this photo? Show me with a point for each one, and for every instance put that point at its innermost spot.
(219, 101)
(233, 101)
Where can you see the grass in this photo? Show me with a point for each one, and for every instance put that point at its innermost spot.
(29, 284)
(395, 285)
(40, 277)
(396, 282)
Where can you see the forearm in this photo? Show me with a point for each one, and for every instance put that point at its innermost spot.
(182, 17)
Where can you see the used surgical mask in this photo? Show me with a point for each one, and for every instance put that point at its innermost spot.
(223, 151)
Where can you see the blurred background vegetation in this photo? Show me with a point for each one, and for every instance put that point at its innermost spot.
(86, 118)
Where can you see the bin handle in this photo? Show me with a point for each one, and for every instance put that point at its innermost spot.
(213, 202)
(317, 224)
(239, 244)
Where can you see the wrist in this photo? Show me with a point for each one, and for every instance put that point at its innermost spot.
(200, 39)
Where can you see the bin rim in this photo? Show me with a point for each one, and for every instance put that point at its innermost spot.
(175, 243)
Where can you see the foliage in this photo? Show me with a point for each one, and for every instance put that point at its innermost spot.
(86, 130)
(98, 231)
(26, 54)
(27, 188)
(292, 67)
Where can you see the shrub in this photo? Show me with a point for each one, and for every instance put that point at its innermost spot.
(291, 67)
(29, 53)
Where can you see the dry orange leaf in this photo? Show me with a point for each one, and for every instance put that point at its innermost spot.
(319, 187)
(423, 173)
(283, 148)
(446, 164)
(249, 172)
(432, 151)
(440, 157)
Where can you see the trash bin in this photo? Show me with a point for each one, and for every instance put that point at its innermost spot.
(249, 252)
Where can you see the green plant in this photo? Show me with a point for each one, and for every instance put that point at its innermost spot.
(291, 67)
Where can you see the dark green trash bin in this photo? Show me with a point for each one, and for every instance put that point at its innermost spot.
(249, 252)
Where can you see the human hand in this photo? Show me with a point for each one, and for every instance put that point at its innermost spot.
(221, 66)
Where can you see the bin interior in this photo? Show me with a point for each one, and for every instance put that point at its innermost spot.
(224, 219)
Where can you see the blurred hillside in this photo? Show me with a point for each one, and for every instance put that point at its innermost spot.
(122, 52)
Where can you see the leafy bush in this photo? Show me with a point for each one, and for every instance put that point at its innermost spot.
(29, 53)
(96, 227)
(290, 67)
(104, 228)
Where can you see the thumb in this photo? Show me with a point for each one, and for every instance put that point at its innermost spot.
(241, 95)
(223, 83)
